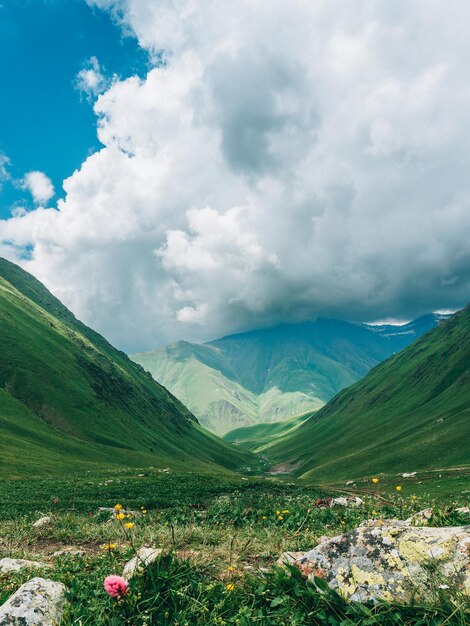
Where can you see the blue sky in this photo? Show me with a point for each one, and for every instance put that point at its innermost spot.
(44, 123)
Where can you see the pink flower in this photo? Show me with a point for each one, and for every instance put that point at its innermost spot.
(116, 586)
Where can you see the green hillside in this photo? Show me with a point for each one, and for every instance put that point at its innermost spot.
(260, 437)
(68, 399)
(410, 413)
(272, 374)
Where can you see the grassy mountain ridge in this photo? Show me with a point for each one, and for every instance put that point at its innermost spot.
(271, 374)
(65, 387)
(411, 412)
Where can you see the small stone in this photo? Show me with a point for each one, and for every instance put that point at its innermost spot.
(289, 558)
(409, 474)
(42, 521)
(39, 602)
(15, 565)
(463, 509)
(421, 518)
(144, 557)
(68, 552)
(339, 502)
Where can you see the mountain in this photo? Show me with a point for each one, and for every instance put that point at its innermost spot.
(69, 400)
(272, 374)
(412, 412)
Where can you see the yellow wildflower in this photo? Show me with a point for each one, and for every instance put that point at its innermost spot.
(129, 525)
(398, 487)
(230, 587)
(120, 516)
(109, 546)
(285, 511)
(118, 507)
(230, 568)
(263, 517)
(414, 497)
(144, 511)
(375, 480)
(279, 517)
(278, 512)
(374, 512)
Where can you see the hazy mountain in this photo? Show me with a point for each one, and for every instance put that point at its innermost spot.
(271, 374)
(411, 412)
(68, 399)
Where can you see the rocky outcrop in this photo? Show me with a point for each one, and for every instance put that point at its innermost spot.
(39, 602)
(391, 561)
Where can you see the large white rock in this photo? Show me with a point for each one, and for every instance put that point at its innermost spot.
(39, 602)
(15, 565)
(143, 557)
(390, 561)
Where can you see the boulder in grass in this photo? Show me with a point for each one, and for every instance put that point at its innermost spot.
(39, 602)
(391, 561)
(15, 565)
(42, 521)
(143, 557)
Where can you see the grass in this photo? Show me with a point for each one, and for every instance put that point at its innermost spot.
(216, 532)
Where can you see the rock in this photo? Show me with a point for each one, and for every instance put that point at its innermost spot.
(356, 501)
(350, 482)
(421, 518)
(144, 556)
(463, 509)
(15, 565)
(289, 558)
(409, 474)
(39, 602)
(389, 562)
(339, 502)
(42, 521)
(68, 552)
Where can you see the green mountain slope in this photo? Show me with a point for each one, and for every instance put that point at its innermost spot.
(271, 374)
(412, 412)
(69, 399)
(260, 437)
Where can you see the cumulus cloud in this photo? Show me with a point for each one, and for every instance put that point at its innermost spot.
(91, 80)
(39, 185)
(286, 160)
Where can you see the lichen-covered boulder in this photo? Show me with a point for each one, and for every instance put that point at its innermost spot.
(39, 602)
(390, 561)
(15, 565)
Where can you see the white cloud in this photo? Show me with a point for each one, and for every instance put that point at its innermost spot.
(4, 174)
(289, 159)
(39, 185)
(90, 80)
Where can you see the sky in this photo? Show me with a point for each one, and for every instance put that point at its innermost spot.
(190, 168)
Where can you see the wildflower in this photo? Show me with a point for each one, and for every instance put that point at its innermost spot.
(144, 511)
(116, 586)
(343, 522)
(107, 547)
(230, 587)
(118, 507)
(375, 480)
(263, 517)
(280, 518)
(414, 497)
(90, 514)
(285, 511)
(380, 522)
(278, 512)
(398, 487)
(374, 512)
(230, 568)
(56, 501)
(129, 525)
(120, 516)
